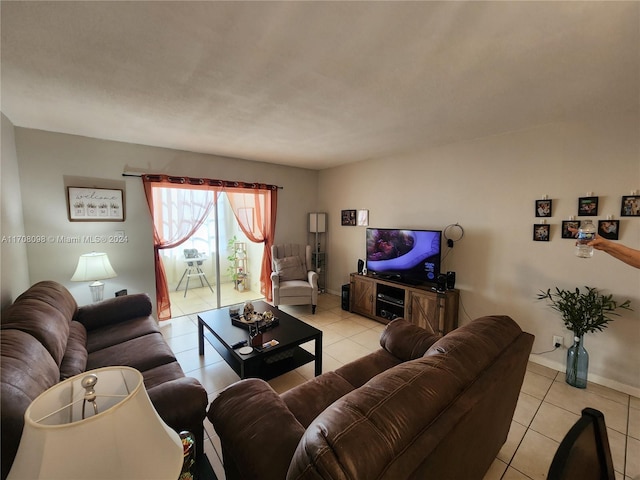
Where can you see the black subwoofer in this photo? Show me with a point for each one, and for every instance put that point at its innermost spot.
(345, 297)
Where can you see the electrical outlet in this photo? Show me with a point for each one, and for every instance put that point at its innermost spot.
(557, 339)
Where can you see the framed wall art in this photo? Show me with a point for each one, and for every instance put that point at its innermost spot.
(609, 229)
(363, 218)
(567, 226)
(588, 206)
(95, 204)
(541, 232)
(349, 218)
(630, 206)
(543, 208)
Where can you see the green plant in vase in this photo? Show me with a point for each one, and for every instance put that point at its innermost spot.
(582, 312)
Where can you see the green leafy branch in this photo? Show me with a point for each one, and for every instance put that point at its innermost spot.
(586, 312)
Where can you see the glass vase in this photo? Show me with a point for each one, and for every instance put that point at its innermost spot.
(577, 363)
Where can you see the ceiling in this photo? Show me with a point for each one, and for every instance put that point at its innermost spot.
(314, 84)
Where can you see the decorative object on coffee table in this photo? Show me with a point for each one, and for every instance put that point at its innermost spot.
(282, 342)
(582, 312)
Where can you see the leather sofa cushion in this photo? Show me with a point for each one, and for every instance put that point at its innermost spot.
(53, 294)
(405, 340)
(237, 412)
(308, 400)
(114, 334)
(360, 371)
(290, 268)
(395, 410)
(162, 374)
(177, 400)
(118, 309)
(74, 361)
(43, 321)
(27, 370)
(142, 353)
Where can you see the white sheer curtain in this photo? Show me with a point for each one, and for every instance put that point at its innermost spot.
(180, 209)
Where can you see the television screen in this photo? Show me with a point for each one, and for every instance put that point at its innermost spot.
(410, 256)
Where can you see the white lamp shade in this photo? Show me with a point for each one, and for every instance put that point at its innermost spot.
(317, 222)
(93, 266)
(125, 439)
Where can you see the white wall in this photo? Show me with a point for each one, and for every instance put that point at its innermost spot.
(489, 186)
(49, 162)
(13, 263)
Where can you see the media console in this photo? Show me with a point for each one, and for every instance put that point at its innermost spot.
(383, 300)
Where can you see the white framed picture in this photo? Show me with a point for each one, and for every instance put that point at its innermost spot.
(95, 204)
(363, 218)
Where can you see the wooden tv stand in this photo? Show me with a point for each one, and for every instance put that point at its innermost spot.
(383, 300)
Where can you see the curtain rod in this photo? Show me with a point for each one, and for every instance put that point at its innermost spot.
(139, 175)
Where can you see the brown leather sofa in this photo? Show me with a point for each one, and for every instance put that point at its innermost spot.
(420, 407)
(46, 338)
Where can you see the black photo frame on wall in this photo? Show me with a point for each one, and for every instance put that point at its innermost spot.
(567, 225)
(543, 208)
(348, 218)
(630, 206)
(588, 206)
(541, 232)
(609, 229)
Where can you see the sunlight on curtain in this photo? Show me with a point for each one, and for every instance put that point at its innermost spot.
(180, 212)
(174, 220)
(255, 211)
(203, 239)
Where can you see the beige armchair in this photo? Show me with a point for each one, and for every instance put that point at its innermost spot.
(293, 280)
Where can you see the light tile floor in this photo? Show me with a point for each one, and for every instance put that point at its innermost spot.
(200, 299)
(546, 409)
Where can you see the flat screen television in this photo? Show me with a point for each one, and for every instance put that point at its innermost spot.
(408, 256)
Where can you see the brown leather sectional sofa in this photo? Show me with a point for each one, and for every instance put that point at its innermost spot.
(46, 338)
(420, 407)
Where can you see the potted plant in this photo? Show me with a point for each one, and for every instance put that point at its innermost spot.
(232, 257)
(237, 274)
(582, 312)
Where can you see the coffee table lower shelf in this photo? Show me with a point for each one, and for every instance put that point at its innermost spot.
(261, 366)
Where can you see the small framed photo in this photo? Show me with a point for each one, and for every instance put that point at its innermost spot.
(567, 226)
(363, 218)
(349, 218)
(543, 208)
(630, 206)
(588, 206)
(541, 232)
(609, 229)
(95, 205)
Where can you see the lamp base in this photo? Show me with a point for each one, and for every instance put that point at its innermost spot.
(97, 291)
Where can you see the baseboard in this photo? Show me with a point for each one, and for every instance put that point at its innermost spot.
(605, 382)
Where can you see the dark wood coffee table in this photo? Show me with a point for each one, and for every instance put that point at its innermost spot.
(216, 327)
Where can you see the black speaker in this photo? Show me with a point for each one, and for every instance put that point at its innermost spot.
(360, 266)
(345, 297)
(441, 283)
(451, 280)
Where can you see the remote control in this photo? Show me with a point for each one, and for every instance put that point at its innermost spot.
(239, 344)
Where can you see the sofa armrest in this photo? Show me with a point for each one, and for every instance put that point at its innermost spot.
(114, 310)
(182, 402)
(312, 277)
(405, 340)
(249, 417)
(275, 279)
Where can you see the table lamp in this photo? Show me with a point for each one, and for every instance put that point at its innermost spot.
(99, 425)
(94, 267)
